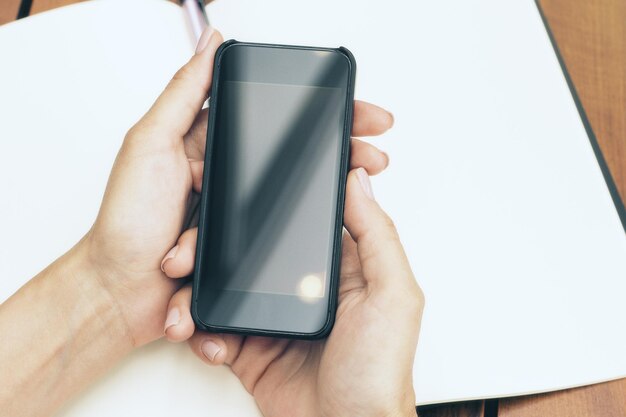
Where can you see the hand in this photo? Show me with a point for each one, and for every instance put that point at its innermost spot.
(158, 166)
(364, 368)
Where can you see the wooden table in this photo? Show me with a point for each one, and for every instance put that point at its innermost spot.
(591, 35)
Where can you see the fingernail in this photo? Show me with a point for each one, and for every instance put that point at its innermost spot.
(364, 180)
(210, 349)
(173, 318)
(392, 119)
(386, 155)
(170, 255)
(204, 39)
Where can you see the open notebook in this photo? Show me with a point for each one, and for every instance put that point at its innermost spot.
(494, 185)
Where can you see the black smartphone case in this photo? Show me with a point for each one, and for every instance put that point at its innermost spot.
(343, 174)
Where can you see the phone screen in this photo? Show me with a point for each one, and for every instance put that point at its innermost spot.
(274, 177)
(274, 212)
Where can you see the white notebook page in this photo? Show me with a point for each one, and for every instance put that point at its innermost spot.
(499, 200)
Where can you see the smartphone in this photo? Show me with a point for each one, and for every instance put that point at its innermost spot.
(271, 211)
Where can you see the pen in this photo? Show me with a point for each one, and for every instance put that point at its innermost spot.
(196, 15)
(198, 21)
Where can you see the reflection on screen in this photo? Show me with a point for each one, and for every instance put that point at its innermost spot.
(274, 188)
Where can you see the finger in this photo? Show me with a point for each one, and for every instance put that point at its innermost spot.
(362, 154)
(350, 264)
(197, 169)
(177, 106)
(351, 276)
(195, 139)
(383, 261)
(179, 325)
(179, 261)
(370, 120)
(365, 155)
(216, 348)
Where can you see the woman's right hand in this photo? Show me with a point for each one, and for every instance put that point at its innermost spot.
(364, 367)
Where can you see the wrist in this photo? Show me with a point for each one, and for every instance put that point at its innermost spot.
(89, 305)
(408, 411)
(132, 283)
(60, 323)
(406, 407)
(392, 407)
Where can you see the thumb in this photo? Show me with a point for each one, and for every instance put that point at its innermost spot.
(384, 264)
(176, 108)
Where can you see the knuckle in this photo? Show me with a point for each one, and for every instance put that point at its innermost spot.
(417, 303)
(389, 224)
(181, 74)
(383, 233)
(407, 297)
(419, 297)
(132, 133)
(386, 228)
(137, 132)
(141, 135)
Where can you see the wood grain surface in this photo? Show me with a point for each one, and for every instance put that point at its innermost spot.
(591, 35)
(465, 409)
(601, 400)
(8, 10)
(43, 5)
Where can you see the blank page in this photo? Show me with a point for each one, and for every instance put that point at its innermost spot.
(493, 184)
